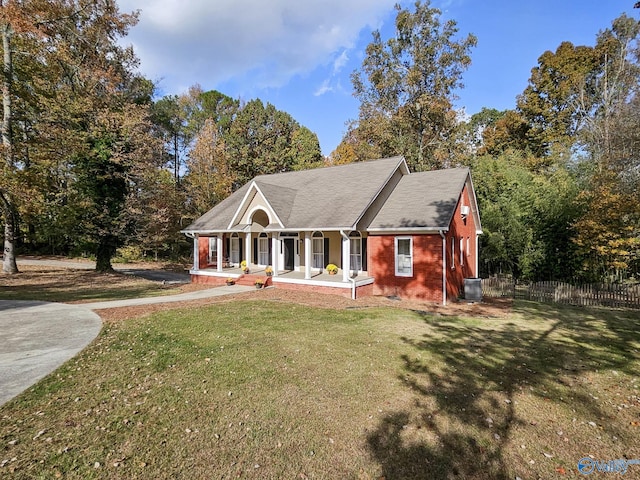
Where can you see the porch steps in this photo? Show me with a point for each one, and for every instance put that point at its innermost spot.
(249, 279)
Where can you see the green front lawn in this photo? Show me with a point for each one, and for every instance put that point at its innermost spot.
(257, 389)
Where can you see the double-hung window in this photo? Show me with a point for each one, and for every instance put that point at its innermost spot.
(317, 249)
(355, 240)
(213, 250)
(263, 249)
(235, 249)
(404, 256)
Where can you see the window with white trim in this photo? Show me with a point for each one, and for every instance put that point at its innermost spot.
(263, 249)
(213, 250)
(355, 240)
(468, 247)
(404, 256)
(461, 251)
(235, 249)
(317, 249)
(453, 252)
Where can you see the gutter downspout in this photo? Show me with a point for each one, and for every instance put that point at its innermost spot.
(444, 267)
(352, 280)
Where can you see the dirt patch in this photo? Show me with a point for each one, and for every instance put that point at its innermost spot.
(70, 285)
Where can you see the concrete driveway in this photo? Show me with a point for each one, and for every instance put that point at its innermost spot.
(38, 337)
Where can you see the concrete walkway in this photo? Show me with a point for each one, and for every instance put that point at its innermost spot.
(180, 297)
(38, 337)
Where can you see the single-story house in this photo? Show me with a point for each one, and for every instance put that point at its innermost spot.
(389, 231)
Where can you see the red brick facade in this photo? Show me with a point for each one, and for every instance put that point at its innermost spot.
(203, 252)
(427, 278)
(426, 281)
(208, 280)
(463, 232)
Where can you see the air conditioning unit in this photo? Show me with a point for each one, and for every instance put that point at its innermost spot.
(464, 210)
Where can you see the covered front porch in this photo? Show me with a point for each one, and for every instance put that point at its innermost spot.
(320, 282)
(295, 260)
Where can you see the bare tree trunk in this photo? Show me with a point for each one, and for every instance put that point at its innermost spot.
(9, 264)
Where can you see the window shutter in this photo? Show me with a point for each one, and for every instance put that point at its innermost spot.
(364, 253)
(326, 252)
(241, 249)
(255, 251)
(269, 242)
(227, 247)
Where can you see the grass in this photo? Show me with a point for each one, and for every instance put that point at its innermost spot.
(258, 389)
(52, 284)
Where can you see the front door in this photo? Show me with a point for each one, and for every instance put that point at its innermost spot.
(289, 253)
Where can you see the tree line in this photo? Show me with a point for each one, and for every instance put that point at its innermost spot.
(557, 177)
(93, 161)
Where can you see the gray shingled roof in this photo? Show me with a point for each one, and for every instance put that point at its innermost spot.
(217, 219)
(324, 198)
(422, 200)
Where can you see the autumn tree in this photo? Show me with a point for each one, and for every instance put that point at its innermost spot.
(558, 94)
(406, 88)
(169, 126)
(609, 231)
(77, 94)
(265, 140)
(304, 149)
(344, 153)
(154, 214)
(210, 177)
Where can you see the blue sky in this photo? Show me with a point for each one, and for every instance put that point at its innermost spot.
(298, 55)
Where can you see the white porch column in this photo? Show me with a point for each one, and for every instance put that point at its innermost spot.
(219, 251)
(275, 252)
(307, 255)
(196, 252)
(247, 248)
(346, 257)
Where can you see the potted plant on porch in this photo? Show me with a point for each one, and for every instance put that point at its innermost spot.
(230, 281)
(259, 283)
(244, 267)
(332, 269)
(268, 271)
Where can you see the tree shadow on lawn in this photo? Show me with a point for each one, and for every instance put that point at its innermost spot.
(468, 374)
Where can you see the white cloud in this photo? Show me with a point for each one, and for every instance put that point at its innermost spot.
(332, 82)
(189, 41)
(340, 62)
(324, 88)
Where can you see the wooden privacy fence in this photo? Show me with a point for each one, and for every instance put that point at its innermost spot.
(599, 295)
